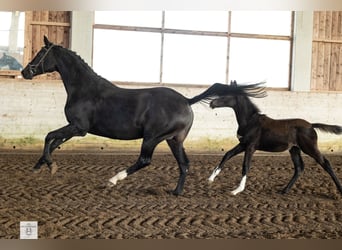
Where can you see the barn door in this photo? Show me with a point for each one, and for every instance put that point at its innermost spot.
(326, 72)
(54, 24)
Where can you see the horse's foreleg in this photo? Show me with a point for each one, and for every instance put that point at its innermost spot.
(231, 153)
(144, 160)
(245, 168)
(141, 163)
(55, 144)
(53, 140)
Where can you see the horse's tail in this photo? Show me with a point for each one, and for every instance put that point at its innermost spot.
(334, 129)
(218, 89)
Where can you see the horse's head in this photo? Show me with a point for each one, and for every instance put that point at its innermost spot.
(9, 62)
(42, 63)
(4, 60)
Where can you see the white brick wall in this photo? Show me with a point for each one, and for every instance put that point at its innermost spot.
(30, 109)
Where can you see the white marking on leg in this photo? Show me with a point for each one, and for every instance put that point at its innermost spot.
(118, 177)
(214, 174)
(241, 186)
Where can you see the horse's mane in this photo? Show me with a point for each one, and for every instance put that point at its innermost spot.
(83, 63)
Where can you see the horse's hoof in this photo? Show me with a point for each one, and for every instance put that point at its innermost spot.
(53, 168)
(110, 184)
(102, 186)
(175, 192)
(36, 170)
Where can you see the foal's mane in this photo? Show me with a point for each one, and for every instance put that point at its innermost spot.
(256, 90)
(246, 103)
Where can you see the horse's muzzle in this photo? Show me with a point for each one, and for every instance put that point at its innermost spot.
(27, 74)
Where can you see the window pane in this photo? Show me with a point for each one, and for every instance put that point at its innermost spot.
(261, 22)
(127, 56)
(11, 40)
(253, 60)
(194, 59)
(130, 18)
(197, 20)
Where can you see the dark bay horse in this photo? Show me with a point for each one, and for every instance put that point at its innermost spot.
(95, 105)
(259, 132)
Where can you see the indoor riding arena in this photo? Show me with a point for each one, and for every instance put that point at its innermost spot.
(74, 131)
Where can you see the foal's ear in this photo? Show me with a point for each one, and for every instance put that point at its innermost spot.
(46, 41)
(233, 83)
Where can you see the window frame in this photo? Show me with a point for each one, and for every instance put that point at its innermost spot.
(162, 30)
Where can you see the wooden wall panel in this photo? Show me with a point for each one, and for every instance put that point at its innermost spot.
(54, 24)
(326, 72)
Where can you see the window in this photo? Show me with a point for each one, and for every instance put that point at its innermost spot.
(194, 47)
(127, 55)
(194, 59)
(11, 40)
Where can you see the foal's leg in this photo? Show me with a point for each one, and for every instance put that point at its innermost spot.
(308, 144)
(231, 153)
(54, 139)
(245, 168)
(183, 163)
(325, 164)
(298, 167)
(144, 160)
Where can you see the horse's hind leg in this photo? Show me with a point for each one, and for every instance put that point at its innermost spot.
(183, 163)
(312, 150)
(298, 167)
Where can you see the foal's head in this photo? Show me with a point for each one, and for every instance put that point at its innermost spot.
(240, 101)
(224, 101)
(42, 63)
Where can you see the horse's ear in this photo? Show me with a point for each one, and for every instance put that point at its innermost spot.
(233, 83)
(46, 41)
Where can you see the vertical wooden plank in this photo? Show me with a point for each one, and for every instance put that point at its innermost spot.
(67, 19)
(339, 26)
(52, 29)
(333, 66)
(334, 25)
(28, 37)
(326, 65)
(339, 69)
(314, 66)
(61, 16)
(316, 25)
(326, 55)
(328, 24)
(44, 30)
(320, 66)
(321, 28)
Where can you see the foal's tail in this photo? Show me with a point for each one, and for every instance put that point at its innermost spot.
(328, 128)
(218, 89)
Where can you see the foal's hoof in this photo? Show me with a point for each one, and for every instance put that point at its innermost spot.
(283, 192)
(53, 168)
(36, 170)
(175, 192)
